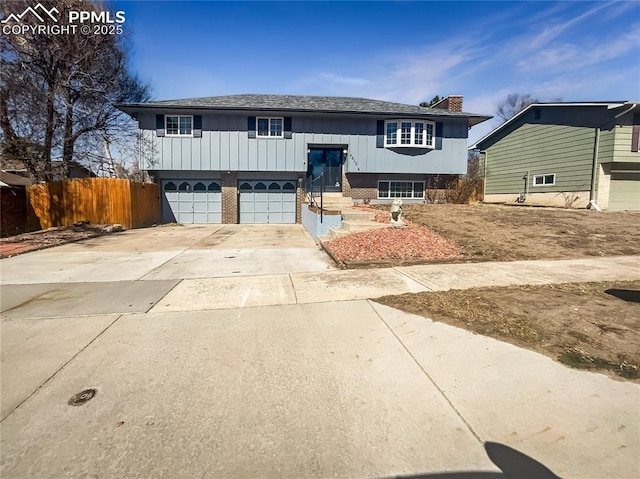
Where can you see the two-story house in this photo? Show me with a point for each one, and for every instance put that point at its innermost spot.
(245, 158)
(566, 154)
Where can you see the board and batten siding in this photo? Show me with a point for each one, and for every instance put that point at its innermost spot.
(225, 145)
(566, 151)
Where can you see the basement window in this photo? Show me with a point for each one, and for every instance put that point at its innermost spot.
(544, 180)
(401, 189)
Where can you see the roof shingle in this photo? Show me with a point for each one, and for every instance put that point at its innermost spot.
(300, 103)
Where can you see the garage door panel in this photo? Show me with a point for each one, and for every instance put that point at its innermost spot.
(624, 192)
(200, 207)
(275, 207)
(289, 207)
(260, 206)
(185, 217)
(267, 201)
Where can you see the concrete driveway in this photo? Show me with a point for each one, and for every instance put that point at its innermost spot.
(239, 351)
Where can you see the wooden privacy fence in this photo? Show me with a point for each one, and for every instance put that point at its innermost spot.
(97, 200)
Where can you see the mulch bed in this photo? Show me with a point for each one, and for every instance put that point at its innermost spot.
(23, 243)
(411, 243)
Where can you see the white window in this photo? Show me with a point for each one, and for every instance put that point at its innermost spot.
(177, 125)
(400, 189)
(544, 180)
(270, 127)
(409, 133)
(405, 133)
(391, 138)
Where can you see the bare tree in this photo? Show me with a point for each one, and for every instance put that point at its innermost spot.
(514, 104)
(57, 94)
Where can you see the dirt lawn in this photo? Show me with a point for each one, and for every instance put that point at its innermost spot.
(508, 233)
(580, 325)
(583, 325)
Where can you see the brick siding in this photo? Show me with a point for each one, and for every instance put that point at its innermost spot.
(299, 198)
(230, 198)
(360, 187)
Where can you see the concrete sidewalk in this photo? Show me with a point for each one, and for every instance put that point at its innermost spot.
(39, 300)
(342, 285)
(342, 389)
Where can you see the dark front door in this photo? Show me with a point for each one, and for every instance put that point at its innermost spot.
(328, 162)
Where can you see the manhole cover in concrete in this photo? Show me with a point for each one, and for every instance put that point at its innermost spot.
(82, 397)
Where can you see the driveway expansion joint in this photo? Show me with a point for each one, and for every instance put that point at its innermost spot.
(55, 373)
(293, 287)
(424, 371)
(152, 305)
(162, 264)
(411, 277)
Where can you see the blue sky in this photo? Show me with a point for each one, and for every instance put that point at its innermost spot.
(396, 51)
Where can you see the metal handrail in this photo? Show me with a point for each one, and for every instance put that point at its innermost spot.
(314, 187)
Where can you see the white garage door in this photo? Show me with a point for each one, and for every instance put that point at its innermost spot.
(191, 201)
(267, 201)
(624, 193)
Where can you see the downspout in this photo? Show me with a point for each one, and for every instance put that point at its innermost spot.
(485, 167)
(523, 196)
(594, 167)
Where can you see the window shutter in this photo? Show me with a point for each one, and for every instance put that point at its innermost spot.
(197, 126)
(380, 134)
(159, 125)
(439, 135)
(251, 126)
(287, 127)
(635, 133)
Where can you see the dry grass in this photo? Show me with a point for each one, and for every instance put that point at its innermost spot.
(579, 324)
(507, 233)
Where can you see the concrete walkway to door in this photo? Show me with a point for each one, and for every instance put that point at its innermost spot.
(240, 351)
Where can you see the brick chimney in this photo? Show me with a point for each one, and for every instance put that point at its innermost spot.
(451, 103)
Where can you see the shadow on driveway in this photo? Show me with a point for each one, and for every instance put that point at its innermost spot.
(513, 463)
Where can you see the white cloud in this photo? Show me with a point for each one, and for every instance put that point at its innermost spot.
(343, 80)
(549, 34)
(406, 77)
(570, 57)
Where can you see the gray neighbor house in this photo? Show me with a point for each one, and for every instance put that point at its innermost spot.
(566, 154)
(246, 158)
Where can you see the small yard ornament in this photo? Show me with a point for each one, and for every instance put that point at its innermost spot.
(396, 212)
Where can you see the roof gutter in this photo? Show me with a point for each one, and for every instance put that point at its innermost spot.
(633, 105)
(609, 105)
(129, 108)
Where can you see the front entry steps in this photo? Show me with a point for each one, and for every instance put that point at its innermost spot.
(336, 202)
(353, 221)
